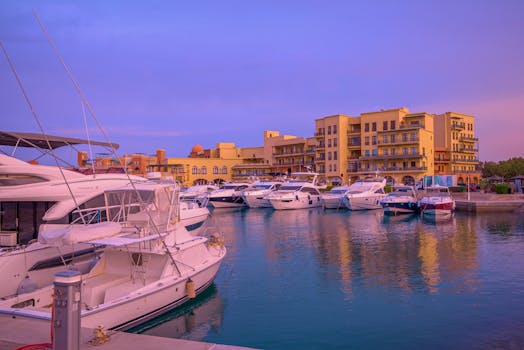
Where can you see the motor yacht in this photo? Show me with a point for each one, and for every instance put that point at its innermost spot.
(150, 264)
(299, 193)
(229, 195)
(334, 198)
(402, 200)
(437, 201)
(198, 194)
(365, 194)
(255, 197)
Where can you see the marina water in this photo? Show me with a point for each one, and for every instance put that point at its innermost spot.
(315, 279)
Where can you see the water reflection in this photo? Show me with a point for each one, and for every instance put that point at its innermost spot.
(420, 276)
(192, 321)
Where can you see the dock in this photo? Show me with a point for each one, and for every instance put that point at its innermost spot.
(19, 332)
(488, 202)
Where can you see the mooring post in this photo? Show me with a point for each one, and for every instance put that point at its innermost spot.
(66, 325)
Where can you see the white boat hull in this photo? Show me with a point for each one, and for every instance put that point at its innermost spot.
(257, 201)
(294, 203)
(333, 202)
(363, 203)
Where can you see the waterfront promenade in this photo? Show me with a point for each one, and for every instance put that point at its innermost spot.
(489, 202)
(19, 333)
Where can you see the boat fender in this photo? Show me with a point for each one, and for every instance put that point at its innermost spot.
(190, 289)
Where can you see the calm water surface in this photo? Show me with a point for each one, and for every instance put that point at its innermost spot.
(315, 279)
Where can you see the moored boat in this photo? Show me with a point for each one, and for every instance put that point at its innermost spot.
(334, 199)
(437, 201)
(402, 200)
(299, 193)
(365, 194)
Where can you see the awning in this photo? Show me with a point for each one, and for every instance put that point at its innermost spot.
(32, 140)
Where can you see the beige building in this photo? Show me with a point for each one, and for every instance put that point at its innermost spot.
(394, 143)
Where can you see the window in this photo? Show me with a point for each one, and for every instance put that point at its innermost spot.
(374, 140)
(215, 170)
(329, 167)
(334, 167)
(384, 125)
(374, 126)
(385, 152)
(393, 151)
(393, 139)
(366, 140)
(404, 137)
(366, 152)
(329, 155)
(335, 142)
(392, 124)
(334, 129)
(385, 139)
(366, 127)
(194, 170)
(374, 152)
(413, 164)
(203, 170)
(329, 142)
(224, 169)
(404, 150)
(335, 155)
(414, 150)
(329, 130)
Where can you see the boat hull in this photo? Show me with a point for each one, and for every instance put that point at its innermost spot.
(295, 203)
(333, 202)
(400, 208)
(363, 203)
(227, 202)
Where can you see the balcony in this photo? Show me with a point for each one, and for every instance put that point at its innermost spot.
(442, 160)
(393, 156)
(468, 161)
(468, 139)
(320, 134)
(467, 150)
(458, 126)
(404, 170)
(289, 153)
(355, 131)
(403, 128)
(407, 141)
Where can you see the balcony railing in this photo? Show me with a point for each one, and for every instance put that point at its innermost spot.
(409, 140)
(319, 134)
(393, 156)
(468, 139)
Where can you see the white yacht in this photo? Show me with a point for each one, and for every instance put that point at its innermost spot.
(401, 200)
(365, 194)
(30, 196)
(437, 201)
(229, 195)
(334, 198)
(150, 264)
(299, 193)
(198, 194)
(255, 197)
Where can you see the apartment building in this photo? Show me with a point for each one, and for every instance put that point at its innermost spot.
(397, 144)
(456, 147)
(394, 143)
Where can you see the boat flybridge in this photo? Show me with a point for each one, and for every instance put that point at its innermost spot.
(365, 194)
(401, 200)
(150, 263)
(198, 194)
(255, 197)
(298, 193)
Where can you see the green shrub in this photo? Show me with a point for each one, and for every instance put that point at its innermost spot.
(387, 189)
(501, 188)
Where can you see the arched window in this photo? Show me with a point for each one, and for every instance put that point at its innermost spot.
(215, 170)
(194, 170)
(203, 170)
(224, 169)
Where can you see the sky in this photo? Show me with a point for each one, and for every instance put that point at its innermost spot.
(171, 74)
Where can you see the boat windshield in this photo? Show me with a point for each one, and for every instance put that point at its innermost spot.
(262, 186)
(338, 191)
(289, 188)
(230, 187)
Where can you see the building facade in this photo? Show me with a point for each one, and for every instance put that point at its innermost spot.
(396, 144)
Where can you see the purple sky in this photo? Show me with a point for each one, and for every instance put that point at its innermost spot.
(170, 74)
